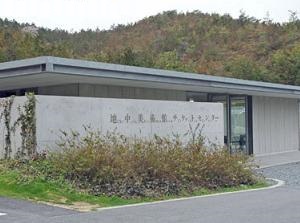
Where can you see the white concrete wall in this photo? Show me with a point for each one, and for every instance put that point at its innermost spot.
(275, 125)
(15, 135)
(56, 113)
(129, 117)
(103, 91)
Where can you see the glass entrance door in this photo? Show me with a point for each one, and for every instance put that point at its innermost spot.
(236, 121)
(238, 126)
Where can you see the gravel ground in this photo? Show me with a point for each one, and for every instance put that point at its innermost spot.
(290, 173)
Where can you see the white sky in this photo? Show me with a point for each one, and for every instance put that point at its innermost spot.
(83, 14)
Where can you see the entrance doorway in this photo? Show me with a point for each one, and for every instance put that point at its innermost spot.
(238, 127)
(237, 121)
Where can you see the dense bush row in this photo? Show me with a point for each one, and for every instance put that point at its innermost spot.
(113, 165)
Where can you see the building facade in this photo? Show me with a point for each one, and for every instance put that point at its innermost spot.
(259, 118)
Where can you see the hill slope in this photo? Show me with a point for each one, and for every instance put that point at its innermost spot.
(204, 43)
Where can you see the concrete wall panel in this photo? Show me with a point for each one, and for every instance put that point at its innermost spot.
(129, 117)
(275, 125)
(122, 116)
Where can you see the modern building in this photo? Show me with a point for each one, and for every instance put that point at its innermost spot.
(259, 118)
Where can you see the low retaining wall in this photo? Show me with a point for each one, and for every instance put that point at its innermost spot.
(129, 117)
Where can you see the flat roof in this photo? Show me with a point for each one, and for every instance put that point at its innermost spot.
(46, 70)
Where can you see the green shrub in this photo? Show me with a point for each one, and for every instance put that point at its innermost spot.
(113, 165)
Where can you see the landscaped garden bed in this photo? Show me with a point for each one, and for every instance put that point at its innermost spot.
(109, 170)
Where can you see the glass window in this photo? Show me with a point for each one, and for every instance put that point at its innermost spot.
(238, 123)
(196, 96)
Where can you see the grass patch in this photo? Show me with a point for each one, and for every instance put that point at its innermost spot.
(61, 192)
(52, 191)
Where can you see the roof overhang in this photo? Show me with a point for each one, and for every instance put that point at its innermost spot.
(46, 71)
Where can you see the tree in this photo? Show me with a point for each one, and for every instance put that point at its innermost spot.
(293, 16)
(169, 60)
(286, 65)
(244, 68)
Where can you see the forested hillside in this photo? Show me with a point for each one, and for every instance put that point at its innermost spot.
(203, 43)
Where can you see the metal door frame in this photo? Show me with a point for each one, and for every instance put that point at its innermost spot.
(248, 120)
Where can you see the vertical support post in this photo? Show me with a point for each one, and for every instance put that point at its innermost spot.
(228, 98)
(249, 117)
(299, 124)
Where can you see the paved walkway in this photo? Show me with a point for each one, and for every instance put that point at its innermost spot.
(277, 159)
(280, 205)
(290, 173)
(18, 211)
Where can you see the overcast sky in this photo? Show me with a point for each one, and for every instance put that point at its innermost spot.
(83, 14)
